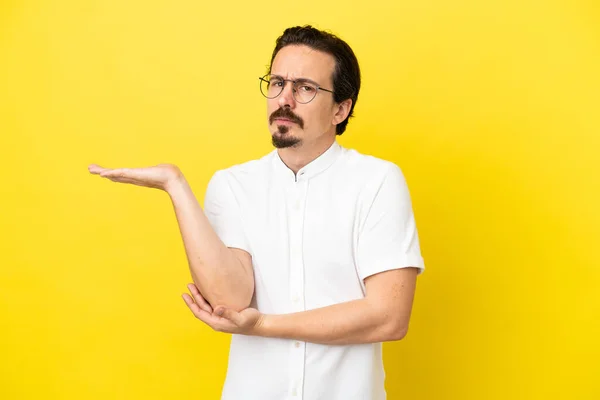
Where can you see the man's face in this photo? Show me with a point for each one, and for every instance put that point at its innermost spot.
(292, 123)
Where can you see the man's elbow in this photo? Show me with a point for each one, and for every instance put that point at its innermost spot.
(239, 304)
(236, 298)
(395, 331)
(400, 333)
(234, 301)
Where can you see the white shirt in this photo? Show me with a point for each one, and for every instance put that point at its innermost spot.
(313, 238)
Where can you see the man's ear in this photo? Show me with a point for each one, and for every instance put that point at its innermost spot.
(343, 109)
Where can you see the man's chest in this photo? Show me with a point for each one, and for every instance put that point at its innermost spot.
(303, 239)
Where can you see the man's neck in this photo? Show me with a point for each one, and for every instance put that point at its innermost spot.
(296, 158)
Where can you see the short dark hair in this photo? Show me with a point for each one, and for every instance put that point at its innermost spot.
(346, 74)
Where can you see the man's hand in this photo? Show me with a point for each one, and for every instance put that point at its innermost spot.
(222, 319)
(159, 177)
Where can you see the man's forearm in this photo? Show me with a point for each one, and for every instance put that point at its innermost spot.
(219, 275)
(353, 322)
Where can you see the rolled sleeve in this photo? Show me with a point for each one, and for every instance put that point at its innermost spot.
(388, 238)
(223, 212)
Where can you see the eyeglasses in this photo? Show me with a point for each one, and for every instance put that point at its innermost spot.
(303, 90)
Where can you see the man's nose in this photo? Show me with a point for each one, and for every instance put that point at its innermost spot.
(286, 98)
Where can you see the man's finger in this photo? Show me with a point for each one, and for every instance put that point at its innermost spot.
(95, 169)
(116, 173)
(121, 180)
(199, 299)
(196, 310)
(229, 314)
(216, 323)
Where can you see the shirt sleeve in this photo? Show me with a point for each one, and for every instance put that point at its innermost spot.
(223, 212)
(388, 238)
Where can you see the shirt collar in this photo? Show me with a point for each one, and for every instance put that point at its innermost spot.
(315, 167)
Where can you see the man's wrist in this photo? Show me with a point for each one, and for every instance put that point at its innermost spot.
(263, 326)
(175, 184)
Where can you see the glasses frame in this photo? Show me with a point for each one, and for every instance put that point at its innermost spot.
(294, 81)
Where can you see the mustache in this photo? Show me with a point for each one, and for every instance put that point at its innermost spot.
(287, 114)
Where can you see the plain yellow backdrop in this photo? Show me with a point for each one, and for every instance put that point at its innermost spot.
(491, 108)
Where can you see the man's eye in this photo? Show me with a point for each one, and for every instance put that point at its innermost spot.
(307, 89)
(276, 82)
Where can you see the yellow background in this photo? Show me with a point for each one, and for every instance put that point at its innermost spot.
(491, 108)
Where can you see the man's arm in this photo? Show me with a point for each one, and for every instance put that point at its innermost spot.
(223, 275)
(383, 315)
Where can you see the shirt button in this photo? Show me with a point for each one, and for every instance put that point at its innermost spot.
(295, 299)
(297, 344)
(294, 392)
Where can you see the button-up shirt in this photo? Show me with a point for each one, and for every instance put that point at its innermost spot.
(314, 237)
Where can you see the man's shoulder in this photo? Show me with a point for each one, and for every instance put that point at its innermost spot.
(369, 166)
(245, 171)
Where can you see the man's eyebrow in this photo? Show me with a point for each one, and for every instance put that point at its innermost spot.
(307, 80)
(297, 80)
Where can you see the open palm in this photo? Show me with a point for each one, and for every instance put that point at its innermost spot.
(158, 176)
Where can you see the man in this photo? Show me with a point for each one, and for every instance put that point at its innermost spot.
(309, 255)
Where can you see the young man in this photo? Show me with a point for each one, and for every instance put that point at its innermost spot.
(308, 256)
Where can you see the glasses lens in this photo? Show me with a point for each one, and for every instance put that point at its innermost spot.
(270, 87)
(304, 92)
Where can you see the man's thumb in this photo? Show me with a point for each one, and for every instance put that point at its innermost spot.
(228, 314)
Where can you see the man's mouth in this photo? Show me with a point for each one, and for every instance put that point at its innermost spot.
(284, 121)
(285, 117)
